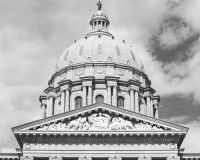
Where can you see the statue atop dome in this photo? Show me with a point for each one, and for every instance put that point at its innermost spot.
(99, 5)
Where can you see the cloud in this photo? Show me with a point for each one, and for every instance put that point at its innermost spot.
(190, 142)
(179, 119)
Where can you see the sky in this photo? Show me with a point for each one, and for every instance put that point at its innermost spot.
(164, 33)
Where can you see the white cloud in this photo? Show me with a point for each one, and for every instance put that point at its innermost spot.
(190, 142)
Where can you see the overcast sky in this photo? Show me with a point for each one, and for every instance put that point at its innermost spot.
(164, 33)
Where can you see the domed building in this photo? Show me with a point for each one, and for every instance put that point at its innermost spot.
(99, 105)
(99, 68)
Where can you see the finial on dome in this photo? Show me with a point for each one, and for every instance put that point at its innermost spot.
(99, 5)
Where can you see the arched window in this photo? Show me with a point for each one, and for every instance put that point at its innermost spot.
(78, 102)
(99, 98)
(120, 102)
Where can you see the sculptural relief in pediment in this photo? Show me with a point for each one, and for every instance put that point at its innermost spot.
(101, 121)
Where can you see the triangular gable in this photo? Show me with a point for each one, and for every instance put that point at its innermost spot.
(100, 116)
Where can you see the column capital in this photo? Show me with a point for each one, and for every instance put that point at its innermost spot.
(132, 87)
(87, 81)
(43, 99)
(149, 90)
(51, 94)
(63, 88)
(134, 83)
(65, 84)
(156, 99)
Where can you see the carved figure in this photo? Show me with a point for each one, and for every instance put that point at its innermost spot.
(74, 124)
(52, 127)
(43, 128)
(99, 122)
(119, 123)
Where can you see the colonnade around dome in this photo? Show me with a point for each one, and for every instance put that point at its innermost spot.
(113, 82)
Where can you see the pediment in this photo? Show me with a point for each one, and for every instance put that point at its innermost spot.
(99, 117)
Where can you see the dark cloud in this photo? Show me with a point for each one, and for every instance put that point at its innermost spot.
(173, 41)
(174, 3)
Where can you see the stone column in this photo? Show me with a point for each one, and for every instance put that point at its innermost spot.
(109, 95)
(114, 96)
(89, 95)
(50, 106)
(67, 100)
(156, 110)
(132, 99)
(148, 106)
(47, 108)
(136, 101)
(115, 158)
(84, 96)
(43, 111)
(151, 107)
(62, 101)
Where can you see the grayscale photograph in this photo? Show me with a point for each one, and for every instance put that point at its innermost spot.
(100, 80)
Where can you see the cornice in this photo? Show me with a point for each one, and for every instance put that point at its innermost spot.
(108, 107)
(42, 98)
(48, 90)
(149, 90)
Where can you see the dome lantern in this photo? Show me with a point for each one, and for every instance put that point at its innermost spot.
(99, 21)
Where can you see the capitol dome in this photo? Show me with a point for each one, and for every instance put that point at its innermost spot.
(99, 68)
(99, 47)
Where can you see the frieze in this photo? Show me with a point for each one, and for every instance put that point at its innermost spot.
(97, 147)
(100, 121)
(120, 72)
(79, 72)
(99, 140)
(99, 70)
